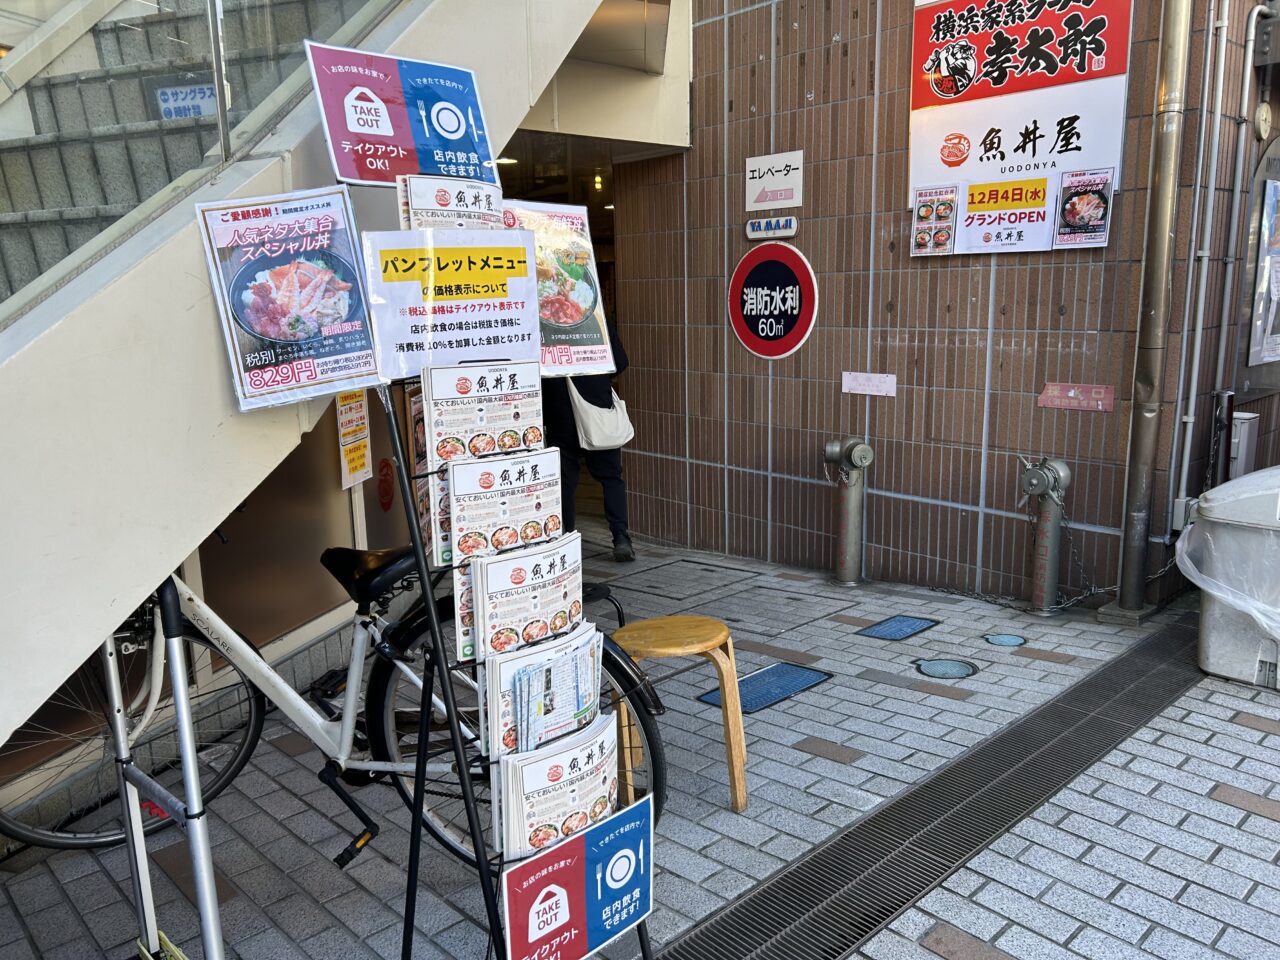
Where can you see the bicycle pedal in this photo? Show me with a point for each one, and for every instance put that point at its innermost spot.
(329, 685)
(332, 778)
(354, 847)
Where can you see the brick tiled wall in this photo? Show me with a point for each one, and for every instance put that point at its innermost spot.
(727, 454)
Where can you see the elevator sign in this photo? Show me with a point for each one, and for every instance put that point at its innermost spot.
(773, 300)
(387, 116)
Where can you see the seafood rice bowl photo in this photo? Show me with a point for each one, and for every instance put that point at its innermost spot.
(296, 297)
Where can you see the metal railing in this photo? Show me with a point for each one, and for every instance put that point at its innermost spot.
(112, 112)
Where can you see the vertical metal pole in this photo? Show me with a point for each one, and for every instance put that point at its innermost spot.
(446, 688)
(851, 494)
(197, 822)
(646, 948)
(419, 793)
(1153, 312)
(220, 90)
(140, 871)
(1045, 568)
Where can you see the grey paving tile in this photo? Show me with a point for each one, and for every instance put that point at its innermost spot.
(1028, 945)
(1170, 946)
(36, 892)
(265, 885)
(1176, 838)
(891, 946)
(1097, 945)
(335, 944)
(90, 891)
(363, 914)
(1245, 866)
(1027, 912)
(299, 916)
(1244, 946)
(964, 913)
(18, 950)
(1054, 864)
(743, 858)
(1221, 876)
(1010, 872)
(1166, 913)
(55, 925)
(270, 945)
(114, 924)
(1094, 912)
(1219, 833)
(1231, 912)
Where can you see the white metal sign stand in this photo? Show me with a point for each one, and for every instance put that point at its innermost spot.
(188, 815)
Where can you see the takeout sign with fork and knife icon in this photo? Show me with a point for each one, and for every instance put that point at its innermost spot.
(385, 116)
(583, 893)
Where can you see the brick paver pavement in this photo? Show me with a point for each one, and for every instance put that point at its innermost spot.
(817, 763)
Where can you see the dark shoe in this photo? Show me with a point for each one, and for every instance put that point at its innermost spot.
(623, 551)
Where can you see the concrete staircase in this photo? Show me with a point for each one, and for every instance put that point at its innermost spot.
(127, 446)
(102, 144)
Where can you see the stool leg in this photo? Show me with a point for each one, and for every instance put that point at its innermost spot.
(735, 741)
(626, 753)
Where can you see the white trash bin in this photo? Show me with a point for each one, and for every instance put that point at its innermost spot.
(1232, 552)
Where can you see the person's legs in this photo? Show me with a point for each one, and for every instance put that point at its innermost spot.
(606, 467)
(570, 467)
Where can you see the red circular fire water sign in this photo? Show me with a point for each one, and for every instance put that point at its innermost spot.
(773, 300)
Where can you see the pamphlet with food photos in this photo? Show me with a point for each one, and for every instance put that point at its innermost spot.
(528, 595)
(464, 615)
(287, 279)
(559, 790)
(503, 502)
(1084, 208)
(479, 410)
(933, 222)
(540, 692)
(574, 334)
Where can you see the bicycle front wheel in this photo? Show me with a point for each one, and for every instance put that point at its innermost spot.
(58, 785)
(392, 713)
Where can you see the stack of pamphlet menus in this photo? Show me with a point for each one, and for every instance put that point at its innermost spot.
(494, 511)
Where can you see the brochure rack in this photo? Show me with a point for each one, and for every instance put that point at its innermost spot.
(189, 815)
(437, 664)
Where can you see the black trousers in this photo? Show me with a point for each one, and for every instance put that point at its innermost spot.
(606, 467)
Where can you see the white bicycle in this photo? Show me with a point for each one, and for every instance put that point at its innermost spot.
(58, 783)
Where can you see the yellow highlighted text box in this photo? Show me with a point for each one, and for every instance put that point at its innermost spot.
(1008, 195)
(455, 273)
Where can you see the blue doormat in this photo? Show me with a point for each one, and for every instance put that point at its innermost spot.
(771, 685)
(897, 628)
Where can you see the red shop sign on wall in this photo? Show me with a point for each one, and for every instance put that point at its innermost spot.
(773, 300)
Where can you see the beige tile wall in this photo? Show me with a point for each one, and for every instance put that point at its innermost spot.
(728, 448)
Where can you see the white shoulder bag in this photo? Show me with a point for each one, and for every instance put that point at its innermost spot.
(598, 428)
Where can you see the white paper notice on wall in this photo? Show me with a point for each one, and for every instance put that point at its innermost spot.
(776, 181)
(870, 384)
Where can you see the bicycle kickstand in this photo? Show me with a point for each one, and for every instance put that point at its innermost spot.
(329, 777)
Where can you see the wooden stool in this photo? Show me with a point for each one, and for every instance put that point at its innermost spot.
(686, 636)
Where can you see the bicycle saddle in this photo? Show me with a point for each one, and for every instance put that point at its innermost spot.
(368, 574)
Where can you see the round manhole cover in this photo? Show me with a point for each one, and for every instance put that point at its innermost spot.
(1005, 640)
(946, 669)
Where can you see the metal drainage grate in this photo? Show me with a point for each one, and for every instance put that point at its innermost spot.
(827, 903)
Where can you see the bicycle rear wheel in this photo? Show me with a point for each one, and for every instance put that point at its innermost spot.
(58, 783)
(392, 712)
